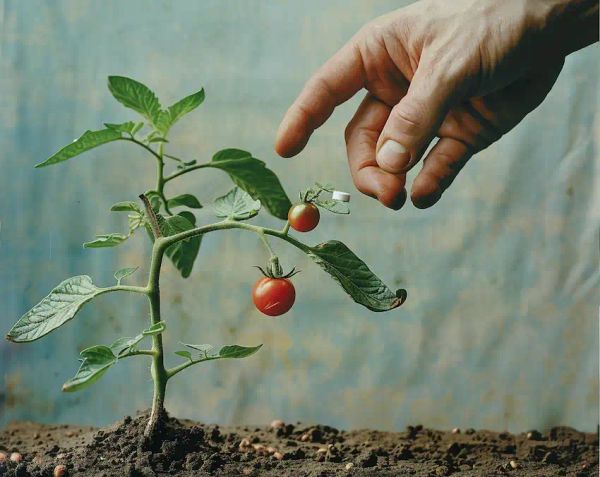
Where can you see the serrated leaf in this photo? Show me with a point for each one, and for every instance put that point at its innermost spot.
(125, 206)
(127, 127)
(124, 272)
(96, 361)
(184, 252)
(121, 345)
(106, 240)
(185, 354)
(155, 329)
(135, 221)
(135, 95)
(252, 175)
(355, 277)
(61, 305)
(184, 200)
(236, 351)
(185, 105)
(88, 140)
(335, 206)
(236, 205)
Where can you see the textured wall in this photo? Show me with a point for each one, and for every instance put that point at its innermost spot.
(501, 325)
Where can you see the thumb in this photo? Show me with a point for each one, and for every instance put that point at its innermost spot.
(414, 121)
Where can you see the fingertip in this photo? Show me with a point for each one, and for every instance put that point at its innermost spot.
(425, 191)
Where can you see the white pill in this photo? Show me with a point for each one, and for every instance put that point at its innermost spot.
(339, 195)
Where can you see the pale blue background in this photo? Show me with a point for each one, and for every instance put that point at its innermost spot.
(500, 329)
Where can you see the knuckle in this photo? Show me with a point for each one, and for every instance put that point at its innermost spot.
(409, 116)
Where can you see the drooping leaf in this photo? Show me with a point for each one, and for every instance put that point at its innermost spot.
(95, 362)
(121, 345)
(106, 240)
(251, 175)
(88, 140)
(184, 200)
(184, 252)
(135, 95)
(135, 221)
(57, 308)
(155, 329)
(236, 205)
(355, 277)
(126, 206)
(124, 272)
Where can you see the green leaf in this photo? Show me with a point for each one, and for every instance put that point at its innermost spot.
(184, 252)
(135, 95)
(88, 140)
(126, 206)
(185, 354)
(185, 105)
(236, 205)
(184, 200)
(335, 206)
(135, 221)
(122, 345)
(186, 214)
(355, 277)
(208, 352)
(106, 240)
(155, 329)
(235, 351)
(124, 272)
(127, 127)
(203, 348)
(96, 361)
(251, 175)
(57, 308)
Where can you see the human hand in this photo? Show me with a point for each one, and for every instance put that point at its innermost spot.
(466, 71)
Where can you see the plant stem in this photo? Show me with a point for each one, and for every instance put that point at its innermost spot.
(158, 371)
(176, 369)
(148, 148)
(185, 171)
(267, 244)
(286, 228)
(151, 216)
(160, 178)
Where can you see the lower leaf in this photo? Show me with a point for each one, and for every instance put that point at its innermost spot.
(95, 362)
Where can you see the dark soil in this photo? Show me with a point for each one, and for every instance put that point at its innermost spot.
(191, 449)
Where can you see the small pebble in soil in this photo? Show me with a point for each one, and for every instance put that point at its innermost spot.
(277, 424)
(456, 430)
(278, 455)
(16, 457)
(60, 471)
(3, 457)
(305, 437)
(534, 435)
(349, 465)
(514, 464)
(245, 445)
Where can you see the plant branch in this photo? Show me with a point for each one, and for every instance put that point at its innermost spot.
(177, 369)
(127, 288)
(148, 148)
(145, 352)
(185, 171)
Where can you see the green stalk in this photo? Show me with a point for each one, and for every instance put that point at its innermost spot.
(158, 371)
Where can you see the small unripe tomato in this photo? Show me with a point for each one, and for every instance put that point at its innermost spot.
(273, 296)
(303, 217)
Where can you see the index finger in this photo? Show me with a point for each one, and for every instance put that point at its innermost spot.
(332, 84)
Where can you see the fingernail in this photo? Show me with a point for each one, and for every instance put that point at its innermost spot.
(399, 201)
(393, 156)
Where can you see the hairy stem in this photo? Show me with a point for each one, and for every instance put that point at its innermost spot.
(158, 371)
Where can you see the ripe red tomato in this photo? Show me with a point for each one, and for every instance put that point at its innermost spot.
(273, 296)
(303, 217)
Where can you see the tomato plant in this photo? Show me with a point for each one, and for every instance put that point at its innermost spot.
(171, 225)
